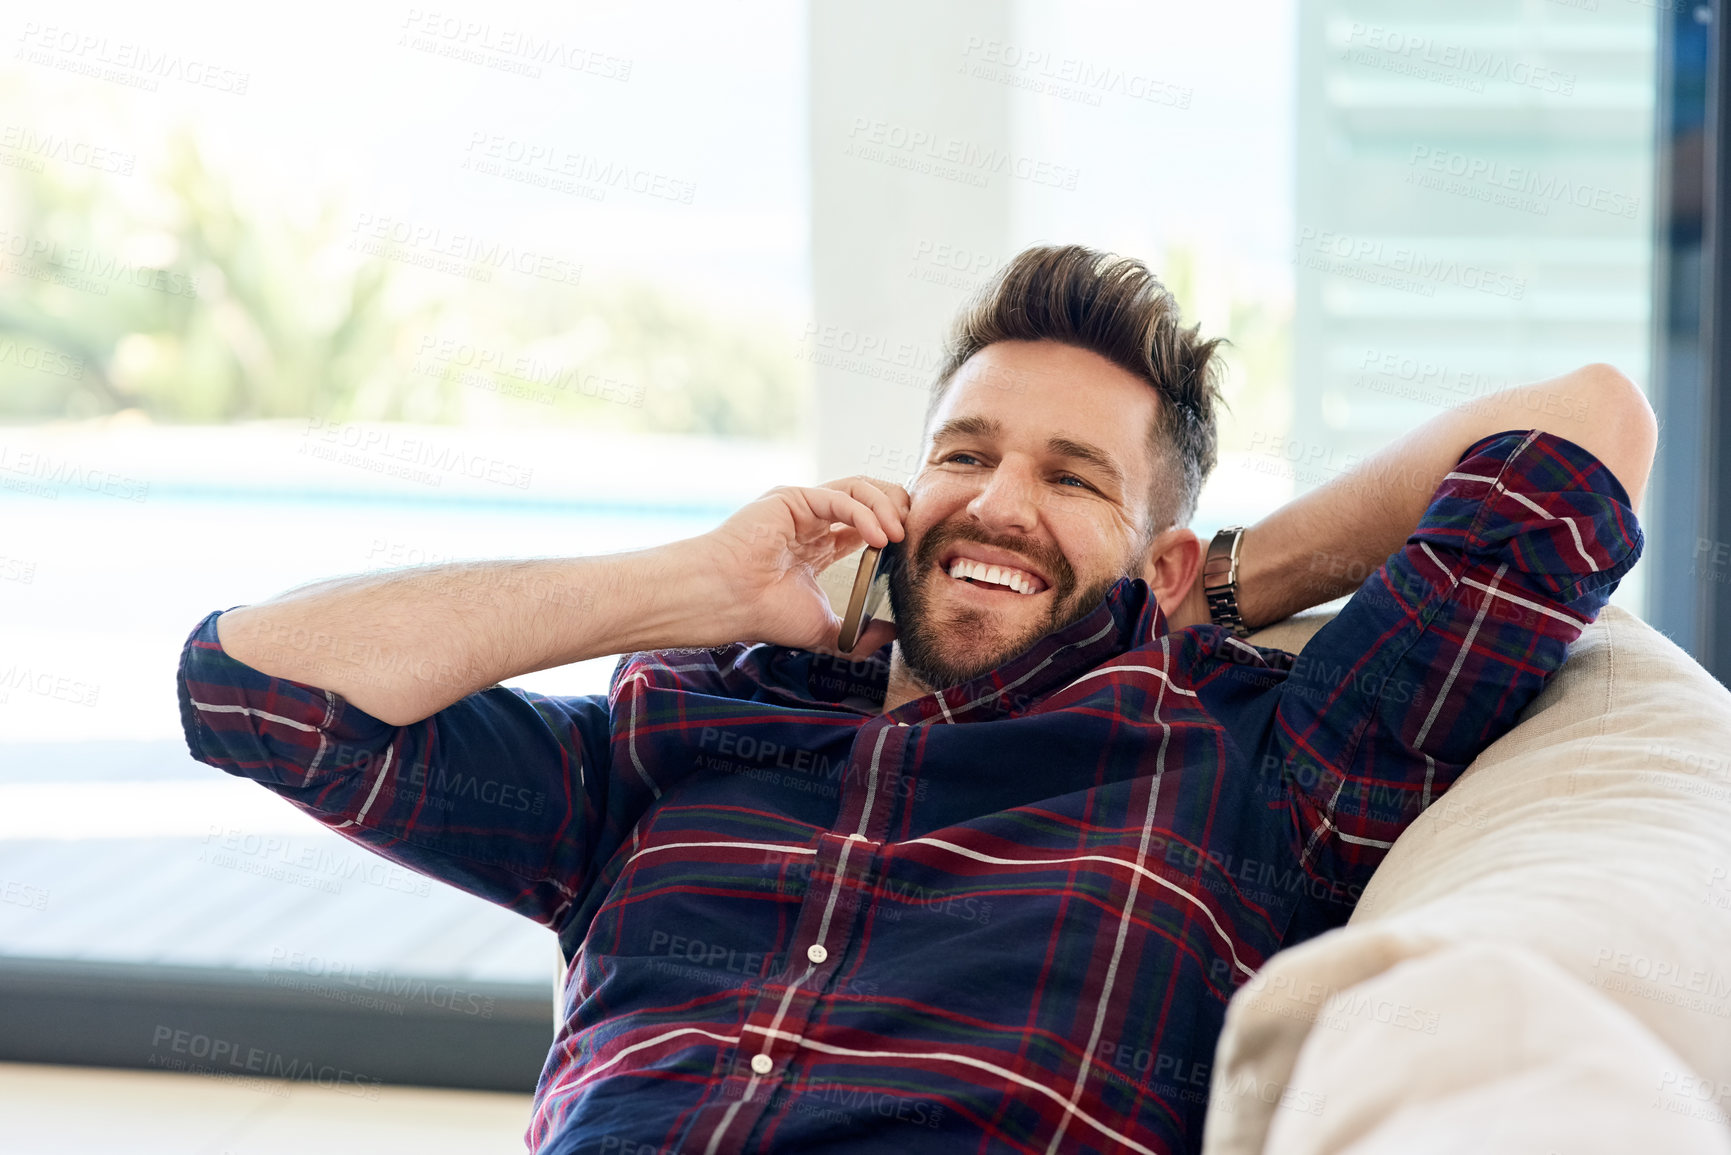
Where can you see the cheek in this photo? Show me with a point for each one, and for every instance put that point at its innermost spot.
(1088, 550)
(936, 496)
(930, 513)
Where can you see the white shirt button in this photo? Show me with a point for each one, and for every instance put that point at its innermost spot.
(816, 953)
(762, 1064)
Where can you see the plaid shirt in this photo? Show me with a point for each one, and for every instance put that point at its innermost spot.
(1007, 916)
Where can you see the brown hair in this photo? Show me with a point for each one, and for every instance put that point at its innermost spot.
(1116, 307)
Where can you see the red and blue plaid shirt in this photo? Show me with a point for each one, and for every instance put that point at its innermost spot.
(1003, 917)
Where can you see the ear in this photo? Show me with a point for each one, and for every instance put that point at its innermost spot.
(1173, 571)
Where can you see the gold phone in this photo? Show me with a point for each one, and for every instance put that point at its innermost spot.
(870, 587)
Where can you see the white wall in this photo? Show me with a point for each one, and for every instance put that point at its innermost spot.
(910, 207)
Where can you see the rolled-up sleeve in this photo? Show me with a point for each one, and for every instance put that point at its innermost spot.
(499, 794)
(1438, 653)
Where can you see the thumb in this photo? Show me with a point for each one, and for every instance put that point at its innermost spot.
(877, 633)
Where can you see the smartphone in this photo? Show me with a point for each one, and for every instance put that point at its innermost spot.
(870, 587)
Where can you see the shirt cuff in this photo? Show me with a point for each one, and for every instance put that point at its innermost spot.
(1546, 506)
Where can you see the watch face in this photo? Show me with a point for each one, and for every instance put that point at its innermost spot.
(1217, 567)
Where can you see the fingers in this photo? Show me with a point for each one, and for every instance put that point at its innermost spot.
(823, 507)
(847, 540)
(888, 501)
(852, 501)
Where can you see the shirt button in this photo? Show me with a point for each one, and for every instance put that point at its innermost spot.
(762, 1064)
(816, 953)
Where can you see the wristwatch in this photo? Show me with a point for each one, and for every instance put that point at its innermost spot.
(1220, 580)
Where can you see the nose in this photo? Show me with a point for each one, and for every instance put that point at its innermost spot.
(1008, 501)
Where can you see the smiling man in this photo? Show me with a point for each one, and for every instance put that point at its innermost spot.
(988, 881)
(1071, 414)
(961, 622)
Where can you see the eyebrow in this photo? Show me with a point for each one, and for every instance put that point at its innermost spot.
(991, 429)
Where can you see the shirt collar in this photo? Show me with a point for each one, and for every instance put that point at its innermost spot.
(1128, 617)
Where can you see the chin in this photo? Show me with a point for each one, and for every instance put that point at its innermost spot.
(946, 650)
(947, 636)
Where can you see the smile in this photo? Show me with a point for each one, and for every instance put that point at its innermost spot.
(995, 579)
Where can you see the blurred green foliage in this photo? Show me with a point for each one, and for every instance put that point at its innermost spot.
(160, 292)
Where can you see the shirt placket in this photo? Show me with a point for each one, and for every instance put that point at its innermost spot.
(842, 874)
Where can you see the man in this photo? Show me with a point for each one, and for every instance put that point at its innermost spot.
(988, 881)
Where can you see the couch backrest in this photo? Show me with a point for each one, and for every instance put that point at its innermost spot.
(1594, 837)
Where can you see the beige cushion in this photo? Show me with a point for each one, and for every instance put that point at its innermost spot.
(1292, 633)
(1544, 959)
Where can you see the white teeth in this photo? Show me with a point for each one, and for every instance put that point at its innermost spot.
(1017, 580)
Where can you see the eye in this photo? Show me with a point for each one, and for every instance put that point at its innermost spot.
(1062, 477)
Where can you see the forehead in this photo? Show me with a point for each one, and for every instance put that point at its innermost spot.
(1030, 394)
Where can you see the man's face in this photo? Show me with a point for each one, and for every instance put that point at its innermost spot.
(1037, 461)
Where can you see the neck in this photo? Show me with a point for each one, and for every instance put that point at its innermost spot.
(903, 686)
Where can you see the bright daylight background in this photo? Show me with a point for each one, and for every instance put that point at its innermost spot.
(343, 287)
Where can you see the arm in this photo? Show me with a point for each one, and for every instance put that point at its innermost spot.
(403, 646)
(506, 794)
(370, 704)
(1322, 544)
(1442, 651)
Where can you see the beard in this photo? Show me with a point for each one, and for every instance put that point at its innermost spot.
(935, 639)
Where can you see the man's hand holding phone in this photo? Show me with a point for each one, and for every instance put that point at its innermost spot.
(769, 554)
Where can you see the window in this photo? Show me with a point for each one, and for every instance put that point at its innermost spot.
(372, 288)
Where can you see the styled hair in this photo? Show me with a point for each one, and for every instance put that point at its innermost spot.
(1114, 306)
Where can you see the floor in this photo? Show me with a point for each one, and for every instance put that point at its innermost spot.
(46, 1110)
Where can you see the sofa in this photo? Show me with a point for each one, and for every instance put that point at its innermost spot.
(1543, 961)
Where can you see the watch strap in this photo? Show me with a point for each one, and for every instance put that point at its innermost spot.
(1220, 580)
